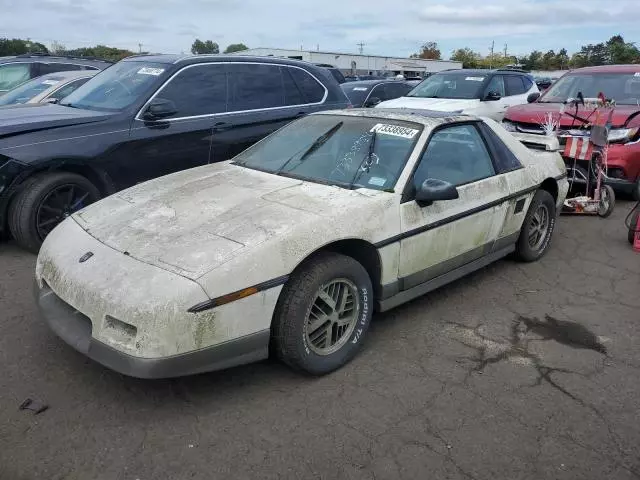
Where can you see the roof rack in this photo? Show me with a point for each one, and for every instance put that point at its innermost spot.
(519, 70)
(75, 57)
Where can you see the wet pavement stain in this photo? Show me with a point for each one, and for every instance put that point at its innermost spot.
(567, 333)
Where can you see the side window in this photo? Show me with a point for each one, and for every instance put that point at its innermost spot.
(13, 74)
(380, 92)
(398, 89)
(68, 88)
(312, 90)
(456, 155)
(253, 86)
(496, 84)
(292, 94)
(197, 90)
(57, 67)
(504, 158)
(528, 83)
(514, 85)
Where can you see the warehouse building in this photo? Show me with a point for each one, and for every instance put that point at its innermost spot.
(360, 64)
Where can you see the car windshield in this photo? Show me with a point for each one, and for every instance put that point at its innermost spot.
(117, 87)
(347, 151)
(624, 88)
(458, 85)
(357, 93)
(28, 90)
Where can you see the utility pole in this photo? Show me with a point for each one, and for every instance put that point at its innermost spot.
(139, 48)
(505, 50)
(493, 44)
(361, 45)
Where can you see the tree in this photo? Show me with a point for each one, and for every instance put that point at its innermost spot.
(17, 46)
(207, 46)
(562, 59)
(619, 51)
(236, 47)
(549, 60)
(57, 48)
(468, 57)
(100, 51)
(429, 51)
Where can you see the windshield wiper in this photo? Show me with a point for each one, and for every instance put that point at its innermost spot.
(367, 161)
(321, 140)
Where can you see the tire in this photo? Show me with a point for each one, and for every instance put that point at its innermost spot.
(299, 305)
(525, 251)
(25, 209)
(607, 201)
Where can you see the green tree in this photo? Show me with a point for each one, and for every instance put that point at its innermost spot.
(57, 48)
(468, 57)
(17, 46)
(562, 59)
(620, 52)
(549, 60)
(533, 61)
(429, 51)
(236, 47)
(101, 51)
(200, 47)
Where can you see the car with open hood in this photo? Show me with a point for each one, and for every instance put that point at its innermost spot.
(620, 85)
(295, 242)
(144, 117)
(475, 92)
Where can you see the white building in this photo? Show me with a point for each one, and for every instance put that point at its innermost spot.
(359, 64)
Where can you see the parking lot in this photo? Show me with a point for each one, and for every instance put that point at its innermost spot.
(520, 371)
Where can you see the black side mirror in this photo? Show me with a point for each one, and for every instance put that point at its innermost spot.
(533, 97)
(52, 100)
(159, 108)
(492, 97)
(372, 102)
(433, 190)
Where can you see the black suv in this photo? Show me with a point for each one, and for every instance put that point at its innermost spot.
(19, 69)
(144, 117)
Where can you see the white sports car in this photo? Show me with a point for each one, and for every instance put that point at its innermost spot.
(290, 247)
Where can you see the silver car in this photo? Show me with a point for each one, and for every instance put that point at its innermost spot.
(52, 88)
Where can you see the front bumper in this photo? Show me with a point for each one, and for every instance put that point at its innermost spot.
(75, 329)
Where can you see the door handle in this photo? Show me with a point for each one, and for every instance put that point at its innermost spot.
(221, 126)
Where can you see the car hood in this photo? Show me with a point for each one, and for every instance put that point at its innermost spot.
(16, 119)
(438, 104)
(195, 220)
(534, 113)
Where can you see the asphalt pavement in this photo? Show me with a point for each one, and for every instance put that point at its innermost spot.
(519, 372)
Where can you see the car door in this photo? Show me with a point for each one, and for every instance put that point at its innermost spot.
(516, 90)
(262, 98)
(494, 108)
(445, 235)
(183, 140)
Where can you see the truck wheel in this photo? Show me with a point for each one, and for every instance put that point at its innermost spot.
(537, 228)
(323, 314)
(43, 202)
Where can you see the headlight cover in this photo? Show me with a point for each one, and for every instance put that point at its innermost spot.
(622, 135)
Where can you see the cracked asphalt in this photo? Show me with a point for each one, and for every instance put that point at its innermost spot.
(519, 371)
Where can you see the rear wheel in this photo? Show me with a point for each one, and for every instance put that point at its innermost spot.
(607, 201)
(537, 228)
(43, 202)
(323, 314)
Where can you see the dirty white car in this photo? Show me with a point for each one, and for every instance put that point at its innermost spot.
(290, 247)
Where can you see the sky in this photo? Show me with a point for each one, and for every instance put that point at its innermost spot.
(385, 27)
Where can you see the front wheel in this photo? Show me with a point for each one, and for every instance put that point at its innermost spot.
(537, 228)
(323, 314)
(607, 201)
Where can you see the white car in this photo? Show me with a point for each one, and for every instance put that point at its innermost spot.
(50, 88)
(291, 246)
(486, 93)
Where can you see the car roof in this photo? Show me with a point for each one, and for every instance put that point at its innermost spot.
(46, 58)
(609, 69)
(206, 58)
(70, 75)
(485, 71)
(430, 118)
(366, 83)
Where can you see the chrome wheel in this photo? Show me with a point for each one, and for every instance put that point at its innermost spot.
(539, 227)
(332, 316)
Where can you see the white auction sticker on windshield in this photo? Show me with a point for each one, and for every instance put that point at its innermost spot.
(475, 79)
(151, 71)
(637, 74)
(360, 89)
(51, 82)
(395, 130)
(377, 181)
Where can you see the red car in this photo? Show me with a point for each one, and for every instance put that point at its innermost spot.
(617, 82)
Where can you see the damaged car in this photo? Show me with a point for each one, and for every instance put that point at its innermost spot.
(291, 246)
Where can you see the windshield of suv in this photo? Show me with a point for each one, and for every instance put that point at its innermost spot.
(458, 85)
(28, 90)
(117, 87)
(624, 88)
(346, 151)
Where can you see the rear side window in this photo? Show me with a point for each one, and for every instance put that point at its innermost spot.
(395, 90)
(197, 90)
(255, 86)
(504, 159)
(514, 85)
(528, 83)
(312, 90)
(292, 94)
